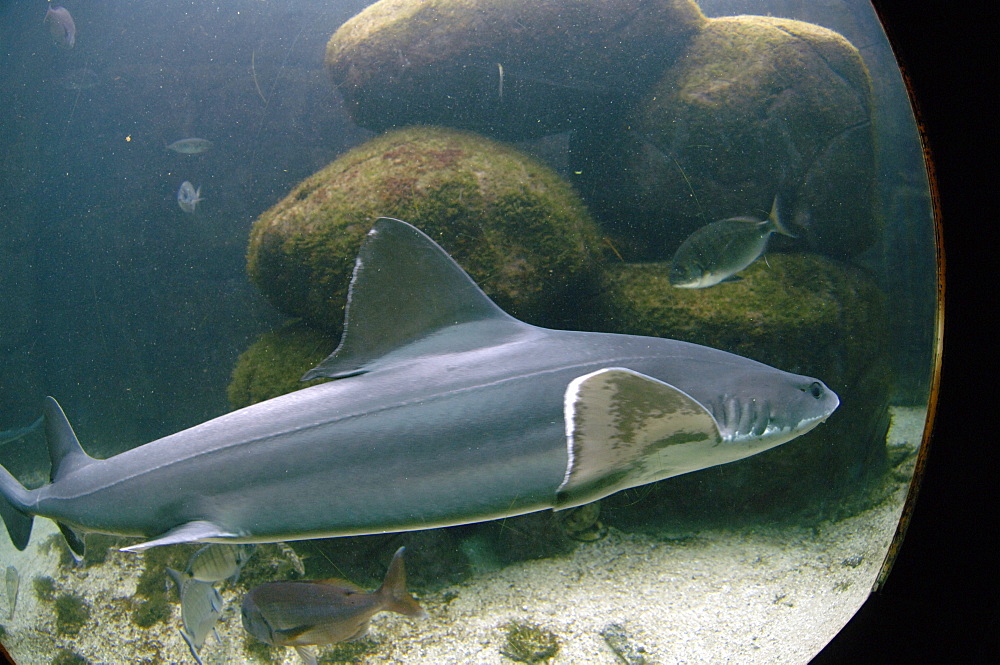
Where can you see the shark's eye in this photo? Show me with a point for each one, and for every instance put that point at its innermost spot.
(816, 389)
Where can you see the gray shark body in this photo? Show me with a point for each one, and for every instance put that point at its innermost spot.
(445, 410)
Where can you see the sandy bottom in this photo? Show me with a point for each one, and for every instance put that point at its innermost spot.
(760, 595)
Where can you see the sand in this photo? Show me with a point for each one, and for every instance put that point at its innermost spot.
(766, 594)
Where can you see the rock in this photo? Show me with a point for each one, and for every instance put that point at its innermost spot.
(757, 106)
(801, 313)
(512, 223)
(274, 363)
(403, 62)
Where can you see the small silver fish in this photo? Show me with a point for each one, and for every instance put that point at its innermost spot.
(716, 252)
(192, 146)
(188, 197)
(13, 582)
(218, 561)
(61, 26)
(301, 613)
(201, 607)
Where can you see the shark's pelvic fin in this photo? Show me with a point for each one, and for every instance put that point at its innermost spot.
(74, 540)
(192, 532)
(65, 451)
(620, 426)
(404, 289)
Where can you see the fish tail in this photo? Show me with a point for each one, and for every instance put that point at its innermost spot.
(14, 500)
(774, 218)
(393, 590)
(191, 646)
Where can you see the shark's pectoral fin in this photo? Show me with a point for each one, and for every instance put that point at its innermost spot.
(622, 430)
(192, 532)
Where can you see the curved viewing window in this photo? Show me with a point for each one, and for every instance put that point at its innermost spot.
(636, 310)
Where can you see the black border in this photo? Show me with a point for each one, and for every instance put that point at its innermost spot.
(941, 602)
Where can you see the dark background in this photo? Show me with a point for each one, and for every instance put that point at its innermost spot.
(940, 604)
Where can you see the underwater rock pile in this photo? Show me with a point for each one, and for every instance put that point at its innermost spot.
(675, 121)
(515, 69)
(517, 227)
(757, 107)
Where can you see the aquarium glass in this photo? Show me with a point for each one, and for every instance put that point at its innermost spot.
(727, 197)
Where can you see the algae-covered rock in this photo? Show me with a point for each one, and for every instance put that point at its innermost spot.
(757, 107)
(798, 312)
(273, 364)
(511, 68)
(513, 224)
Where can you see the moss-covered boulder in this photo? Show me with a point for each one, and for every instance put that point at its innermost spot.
(509, 68)
(273, 364)
(757, 106)
(517, 227)
(801, 313)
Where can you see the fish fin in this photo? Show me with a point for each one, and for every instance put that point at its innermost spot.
(306, 654)
(13, 501)
(393, 590)
(178, 577)
(774, 218)
(620, 428)
(191, 532)
(730, 279)
(342, 584)
(74, 540)
(362, 631)
(65, 451)
(190, 643)
(402, 271)
(289, 634)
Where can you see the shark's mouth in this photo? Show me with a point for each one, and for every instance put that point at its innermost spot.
(758, 422)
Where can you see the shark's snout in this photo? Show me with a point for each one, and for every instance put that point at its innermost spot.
(774, 419)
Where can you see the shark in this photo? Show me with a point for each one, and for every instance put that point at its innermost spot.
(442, 409)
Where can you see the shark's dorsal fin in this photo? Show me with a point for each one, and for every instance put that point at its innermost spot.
(625, 429)
(65, 451)
(405, 288)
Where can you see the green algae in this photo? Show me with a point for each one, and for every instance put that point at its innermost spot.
(45, 587)
(274, 363)
(512, 223)
(69, 657)
(758, 106)
(72, 612)
(529, 643)
(407, 62)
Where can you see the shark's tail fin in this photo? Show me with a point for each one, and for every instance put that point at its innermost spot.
(66, 455)
(13, 500)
